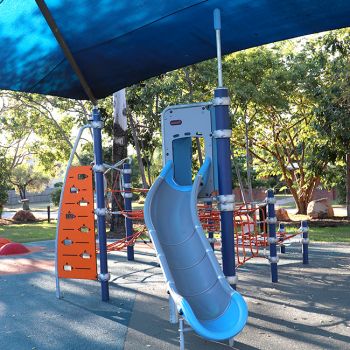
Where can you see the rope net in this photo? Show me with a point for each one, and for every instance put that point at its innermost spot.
(250, 227)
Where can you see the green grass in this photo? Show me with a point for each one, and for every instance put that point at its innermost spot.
(290, 205)
(44, 231)
(282, 196)
(29, 232)
(328, 234)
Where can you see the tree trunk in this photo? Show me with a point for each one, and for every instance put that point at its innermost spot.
(148, 164)
(22, 192)
(199, 151)
(348, 185)
(239, 178)
(119, 152)
(301, 206)
(138, 152)
(303, 198)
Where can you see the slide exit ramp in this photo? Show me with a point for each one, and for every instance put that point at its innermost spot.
(193, 275)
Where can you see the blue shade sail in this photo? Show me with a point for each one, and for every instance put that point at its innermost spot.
(120, 42)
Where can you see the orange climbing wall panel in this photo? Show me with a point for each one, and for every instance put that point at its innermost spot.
(76, 253)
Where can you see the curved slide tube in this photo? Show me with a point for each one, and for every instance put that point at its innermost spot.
(193, 275)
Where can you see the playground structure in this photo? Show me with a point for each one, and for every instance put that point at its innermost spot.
(75, 244)
(174, 221)
(250, 221)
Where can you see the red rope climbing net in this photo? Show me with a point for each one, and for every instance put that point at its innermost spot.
(250, 227)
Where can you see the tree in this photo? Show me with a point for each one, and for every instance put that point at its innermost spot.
(333, 107)
(275, 89)
(28, 178)
(119, 152)
(134, 133)
(148, 99)
(31, 131)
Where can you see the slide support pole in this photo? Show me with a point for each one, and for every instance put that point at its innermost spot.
(225, 198)
(271, 220)
(128, 208)
(222, 134)
(100, 211)
(305, 242)
(173, 314)
(182, 335)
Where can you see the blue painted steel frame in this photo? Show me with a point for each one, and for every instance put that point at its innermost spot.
(101, 222)
(282, 229)
(272, 234)
(305, 229)
(128, 208)
(223, 122)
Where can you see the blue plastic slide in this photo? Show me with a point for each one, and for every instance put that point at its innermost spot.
(193, 275)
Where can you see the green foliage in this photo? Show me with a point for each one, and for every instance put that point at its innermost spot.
(273, 99)
(27, 177)
(335, 178)
(289, 103)
(149, 98)
(333, 93)
(289, 96)
(4, 175)
(56, 195)
(35, 128)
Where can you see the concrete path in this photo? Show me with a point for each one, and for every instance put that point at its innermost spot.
(308, 309)
(38, 214)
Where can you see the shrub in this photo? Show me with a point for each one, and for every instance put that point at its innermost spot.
(56, 195)
(3, 198)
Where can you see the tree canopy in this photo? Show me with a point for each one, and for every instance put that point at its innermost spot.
(289, 110)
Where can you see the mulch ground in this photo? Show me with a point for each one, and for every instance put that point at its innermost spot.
(334, 222)
(5, 222)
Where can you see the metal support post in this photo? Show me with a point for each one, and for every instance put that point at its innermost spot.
(100, 210)
(305, 242)
(173, 314)
(271, 220)
(282, 230)
(48, 214)
(222, 134)
(181, 333)
(128, 208)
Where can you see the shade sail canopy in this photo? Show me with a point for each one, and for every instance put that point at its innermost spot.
(118, 43)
